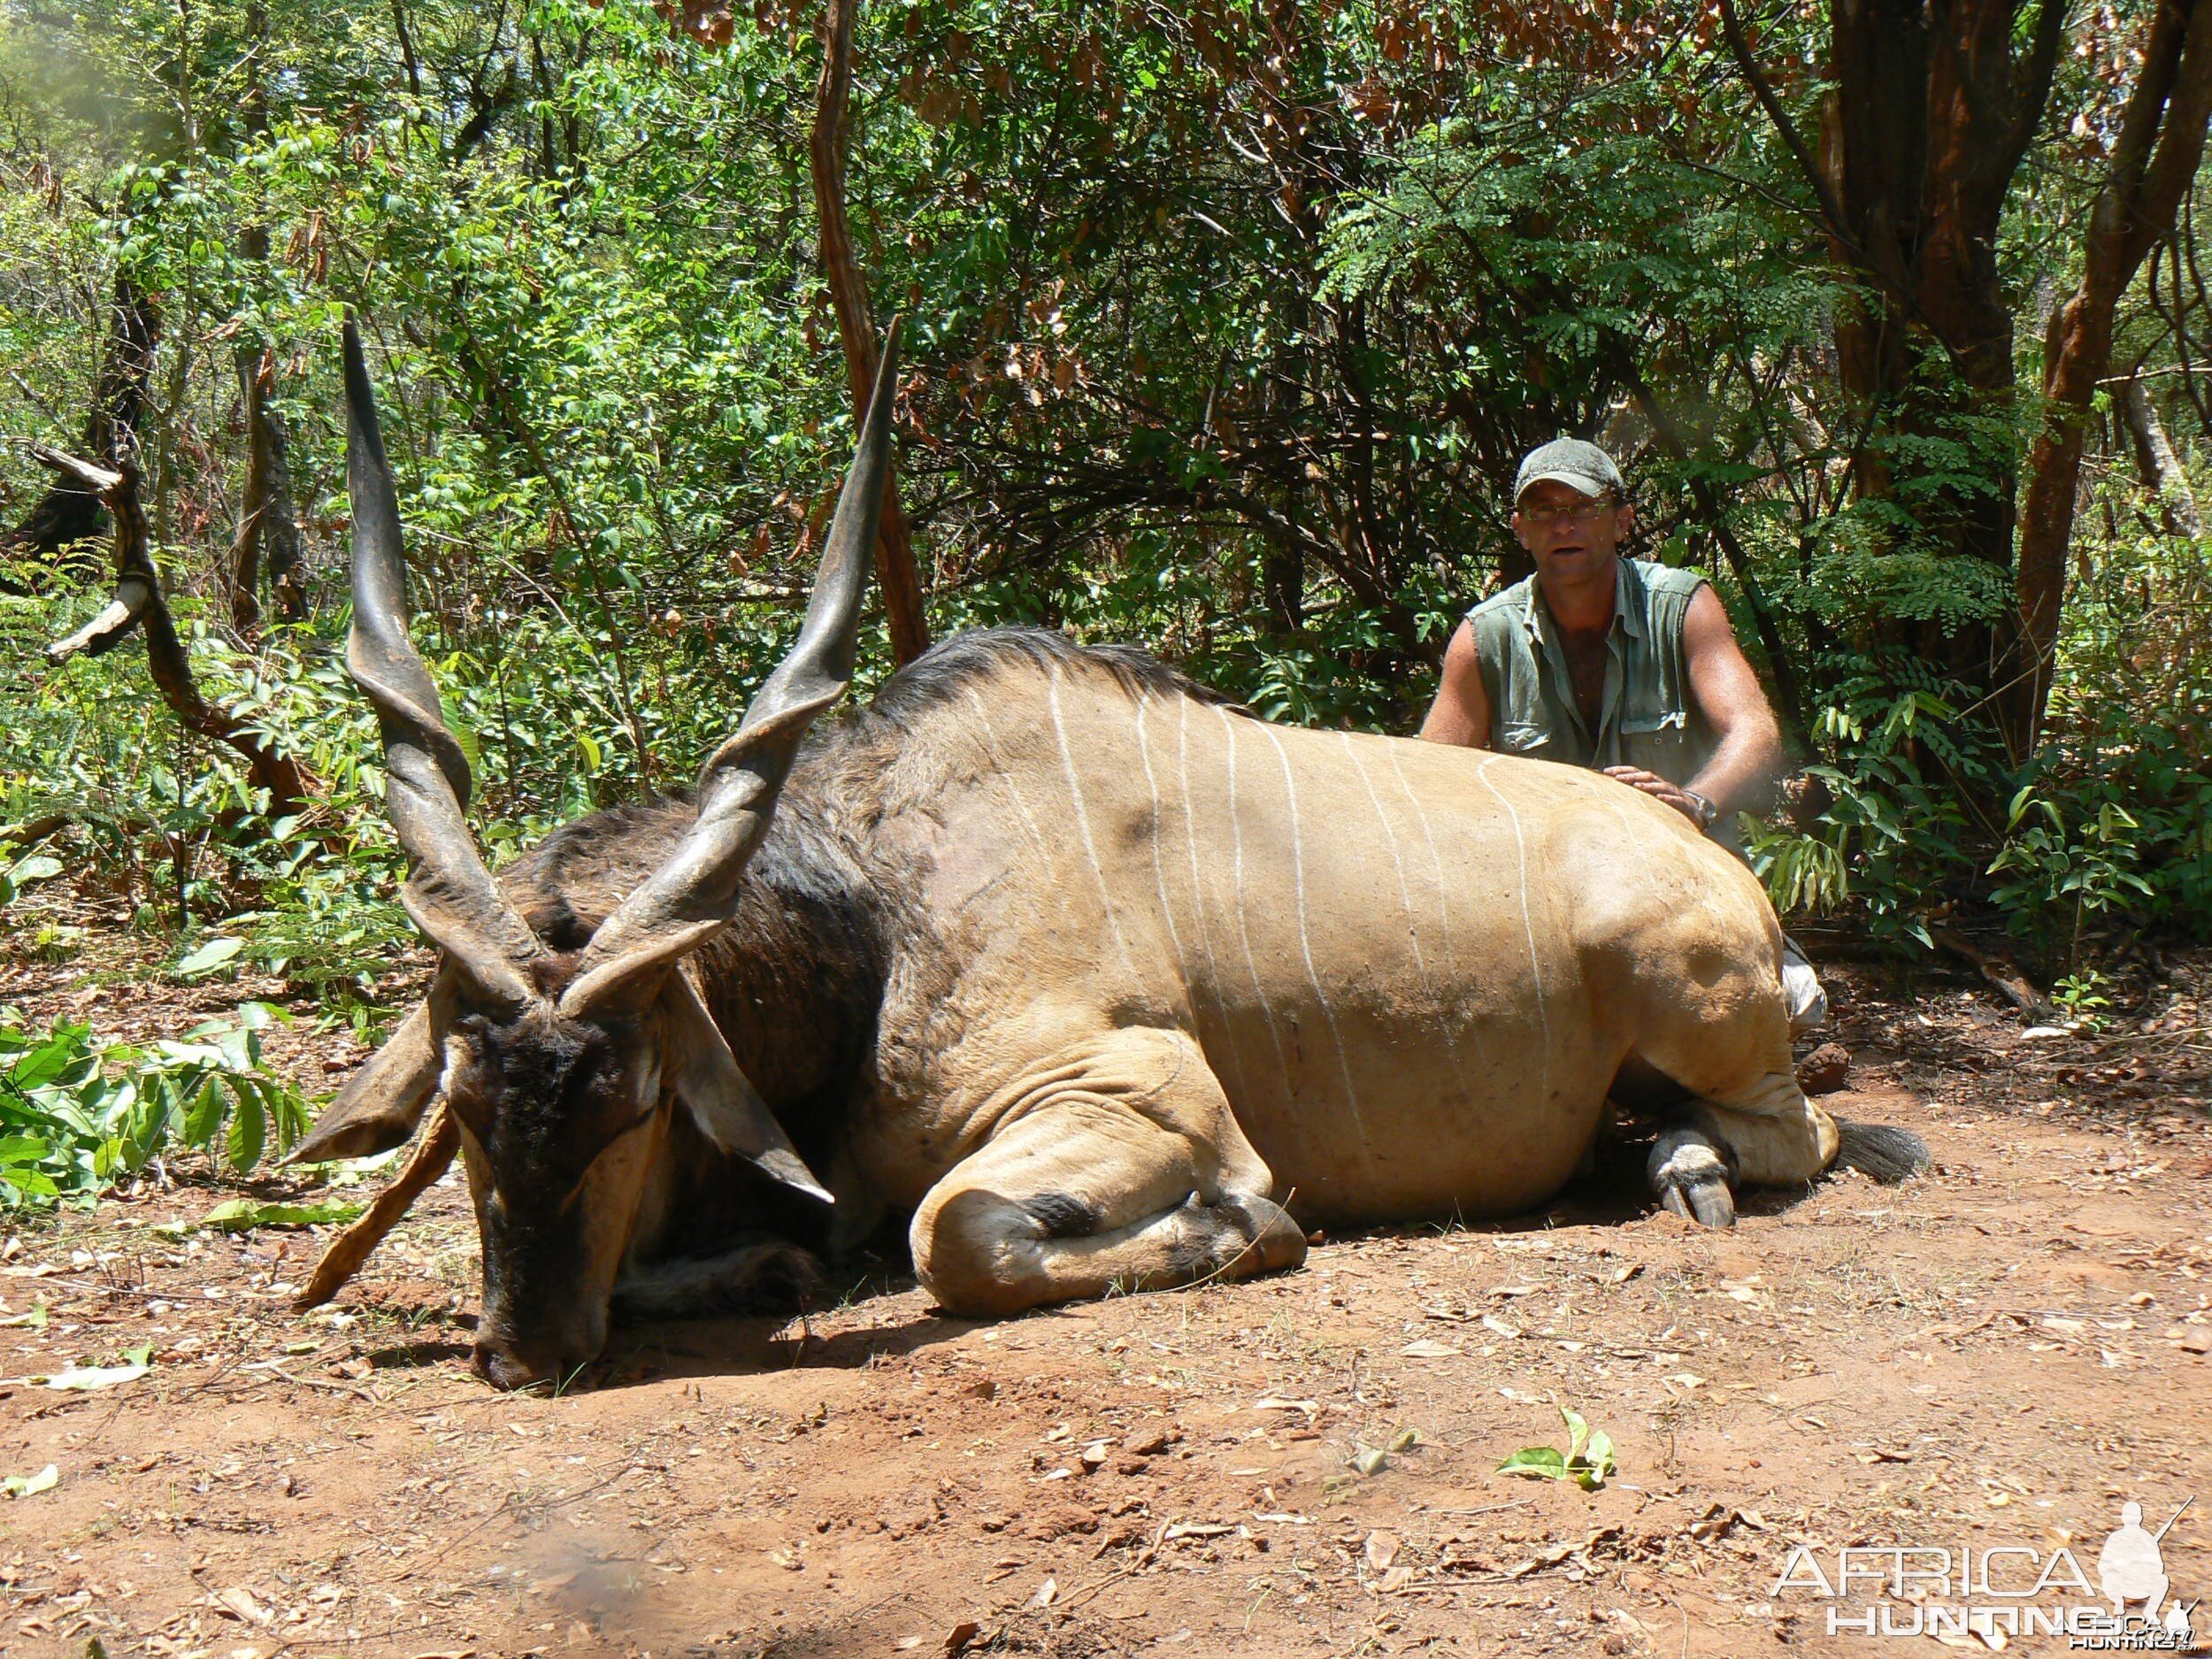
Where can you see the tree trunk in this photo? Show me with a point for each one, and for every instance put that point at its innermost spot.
(1283, 561)
(2163, 475)
(66, 513)
(2153, 163)
(268, 536)
(268, 531)
(855, 326)
(1934, 109)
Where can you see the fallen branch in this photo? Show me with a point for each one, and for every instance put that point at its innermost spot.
(27, 834)
(342, 1260)
(138, 603)
(2007, 980)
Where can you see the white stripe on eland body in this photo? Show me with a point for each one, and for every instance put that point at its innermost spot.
(1436, 864)
(1528, 927)
(1036, 838)
(1628, 831)
(1236, 889)
(1197, 892)
(1305, 945)
(1159, 875)
(1405, 898)
(1083, 822)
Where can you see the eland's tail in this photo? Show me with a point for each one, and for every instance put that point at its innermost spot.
(1885, 1154)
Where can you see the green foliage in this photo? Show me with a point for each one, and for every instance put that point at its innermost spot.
(243, 1214)
(1852, 584)
(2082, 996)
(1587, 1461)
(1893, 833)
(2088, 864)
(76, 1114)
(1918, 811)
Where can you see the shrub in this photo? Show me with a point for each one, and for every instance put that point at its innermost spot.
(77, 1115)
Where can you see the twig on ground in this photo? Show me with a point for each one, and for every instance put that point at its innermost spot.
(347, 1252)
(2007, 979)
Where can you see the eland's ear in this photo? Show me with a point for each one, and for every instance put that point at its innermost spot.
(697, 1066)
(379, 1108)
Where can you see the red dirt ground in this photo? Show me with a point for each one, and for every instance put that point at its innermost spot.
(1998, 1353)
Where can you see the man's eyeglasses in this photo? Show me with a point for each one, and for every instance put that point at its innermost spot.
(1545, 515)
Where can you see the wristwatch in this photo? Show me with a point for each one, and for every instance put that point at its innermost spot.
(1701, 808)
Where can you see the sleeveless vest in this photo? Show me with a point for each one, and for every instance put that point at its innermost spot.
(1647, 717)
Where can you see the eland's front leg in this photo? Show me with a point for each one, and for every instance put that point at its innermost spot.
(1117, 1166)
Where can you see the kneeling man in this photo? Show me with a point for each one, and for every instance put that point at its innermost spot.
(1617, 664)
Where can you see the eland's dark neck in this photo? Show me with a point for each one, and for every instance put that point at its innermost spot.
(796, 982)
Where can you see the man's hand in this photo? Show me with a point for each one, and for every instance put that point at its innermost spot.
(1660, 789)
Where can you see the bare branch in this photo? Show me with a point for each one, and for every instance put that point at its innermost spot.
(2173, 165)
(135, 586)
(1761, 89)
(2050, 36)
(896, 572)
(138, 603)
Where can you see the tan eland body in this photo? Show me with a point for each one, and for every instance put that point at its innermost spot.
(1369, 978)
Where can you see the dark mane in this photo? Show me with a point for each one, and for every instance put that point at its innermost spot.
(949, 669)
(566, 884)
(571, 880)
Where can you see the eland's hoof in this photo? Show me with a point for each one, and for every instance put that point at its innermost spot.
(1692, 1179)
(1275, 1240)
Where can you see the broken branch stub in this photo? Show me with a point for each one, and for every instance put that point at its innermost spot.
(134, 589)
(342, 1260)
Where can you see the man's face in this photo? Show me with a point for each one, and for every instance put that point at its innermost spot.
(1570, 536)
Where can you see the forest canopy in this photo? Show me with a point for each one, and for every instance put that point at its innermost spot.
(1225, 327)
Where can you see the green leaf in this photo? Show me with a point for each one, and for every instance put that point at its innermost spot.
(241, 1214)
(204, 1115)
(1538, 1463)
(248, 1127)
(208, 957)
(1597, 1460)
(31, 1485)
(1578, 1432)
(44, 1061)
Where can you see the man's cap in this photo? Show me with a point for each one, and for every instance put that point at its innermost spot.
(1570, 461)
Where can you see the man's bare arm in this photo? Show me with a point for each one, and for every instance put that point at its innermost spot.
(1460, 713)
(1741, 775)
(1747, 756)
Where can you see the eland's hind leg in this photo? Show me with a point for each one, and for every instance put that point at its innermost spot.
(1709, 1148)
(1116, 1167)
(1750, 1120)
(1726, 1040)
(1686, 969)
